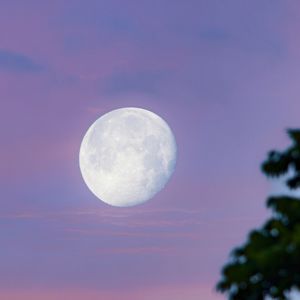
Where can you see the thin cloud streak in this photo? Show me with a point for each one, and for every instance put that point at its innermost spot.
(17, 62)
(142, 218)
(137, 250)
(89, 232)
(169, 292)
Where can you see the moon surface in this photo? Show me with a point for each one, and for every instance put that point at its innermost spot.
(127, 156)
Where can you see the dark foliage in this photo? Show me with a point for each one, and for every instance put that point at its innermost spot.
(269, 263)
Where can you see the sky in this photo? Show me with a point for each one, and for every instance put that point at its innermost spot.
(223, 74)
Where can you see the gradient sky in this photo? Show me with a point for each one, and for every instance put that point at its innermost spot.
(225, 76)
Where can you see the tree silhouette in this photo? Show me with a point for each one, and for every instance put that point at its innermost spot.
(268, 265)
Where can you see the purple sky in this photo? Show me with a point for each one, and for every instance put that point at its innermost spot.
(223, 74)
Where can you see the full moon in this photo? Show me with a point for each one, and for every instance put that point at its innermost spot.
(127, 156)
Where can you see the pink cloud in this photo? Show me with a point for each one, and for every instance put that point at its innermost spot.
(137, 250)
(177, 292)
(34, 158)
(176, 235)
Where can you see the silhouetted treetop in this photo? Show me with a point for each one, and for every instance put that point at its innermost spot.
(269, 262)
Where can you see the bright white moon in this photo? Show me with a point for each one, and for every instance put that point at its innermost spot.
(127, 156)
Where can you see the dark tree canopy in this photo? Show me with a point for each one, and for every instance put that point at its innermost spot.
(269, 263)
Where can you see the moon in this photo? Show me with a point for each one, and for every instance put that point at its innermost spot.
(127, 156)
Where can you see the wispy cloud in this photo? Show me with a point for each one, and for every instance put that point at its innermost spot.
(160, 292)
(12, 61)
(165, 235)
(136, 250)
(126, 218)
(143, 81)
(214, 34)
